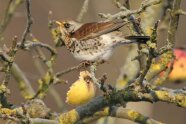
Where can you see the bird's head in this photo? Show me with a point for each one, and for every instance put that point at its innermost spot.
(68, 27)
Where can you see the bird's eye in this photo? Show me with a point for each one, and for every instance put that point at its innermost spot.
(67, 25)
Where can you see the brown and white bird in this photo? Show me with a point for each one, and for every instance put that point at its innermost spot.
(96, 40)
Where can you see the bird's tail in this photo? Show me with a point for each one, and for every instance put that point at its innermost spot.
(138, 39)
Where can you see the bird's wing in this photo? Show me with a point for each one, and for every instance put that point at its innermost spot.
(94, 29)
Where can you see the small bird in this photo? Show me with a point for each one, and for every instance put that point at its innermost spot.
(95, 41)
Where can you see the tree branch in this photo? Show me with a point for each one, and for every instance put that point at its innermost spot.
(29, 23)
(128, 95)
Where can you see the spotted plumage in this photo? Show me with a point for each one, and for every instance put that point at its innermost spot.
(96, 40)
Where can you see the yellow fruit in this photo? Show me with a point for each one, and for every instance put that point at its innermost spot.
(82, 90)
(179, 70)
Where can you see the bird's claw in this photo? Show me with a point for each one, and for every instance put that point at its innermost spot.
(86, 63)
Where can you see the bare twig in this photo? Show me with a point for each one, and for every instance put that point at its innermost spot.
(123, 14)
(29, 23)
(132, 115)
(171, 36)
(126, 3)
(162, 79)
(52, 90)
(81, 65)
(127, 94)
(42, 121)
(181, 12)
(136, 26)
(173, 24)
(12, 53)
(152, 47)
(5, 20)
(24, 84)
(120, 112)
(119, 5)
(84, 9)
(12, 6)
(4, 57)
(30, 44)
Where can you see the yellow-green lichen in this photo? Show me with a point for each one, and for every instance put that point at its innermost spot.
(69, 118)
(7, 111)
(181, 100)
(133, 115)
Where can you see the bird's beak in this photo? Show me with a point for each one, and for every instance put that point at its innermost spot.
(59, 23)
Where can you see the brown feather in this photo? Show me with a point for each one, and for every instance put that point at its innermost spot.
(94, 29)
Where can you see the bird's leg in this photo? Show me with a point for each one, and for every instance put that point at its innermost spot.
(86, 63)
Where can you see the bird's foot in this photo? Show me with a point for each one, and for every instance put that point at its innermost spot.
(86, 63)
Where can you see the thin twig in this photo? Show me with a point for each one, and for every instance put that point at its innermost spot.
(12, 53)
(4, 57)
(132, 115)
(181, 12)
(84, 9)
(162, 79)
(30, 44)
(5, 20)
(81, 65)
(12, 6)
(150, 55)
(126, 3)
(119, 5)
(52, 90)
(123, 14)
(136, 26)
(29, 23)
(173, 24)
(24, 84)
(42, 121)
